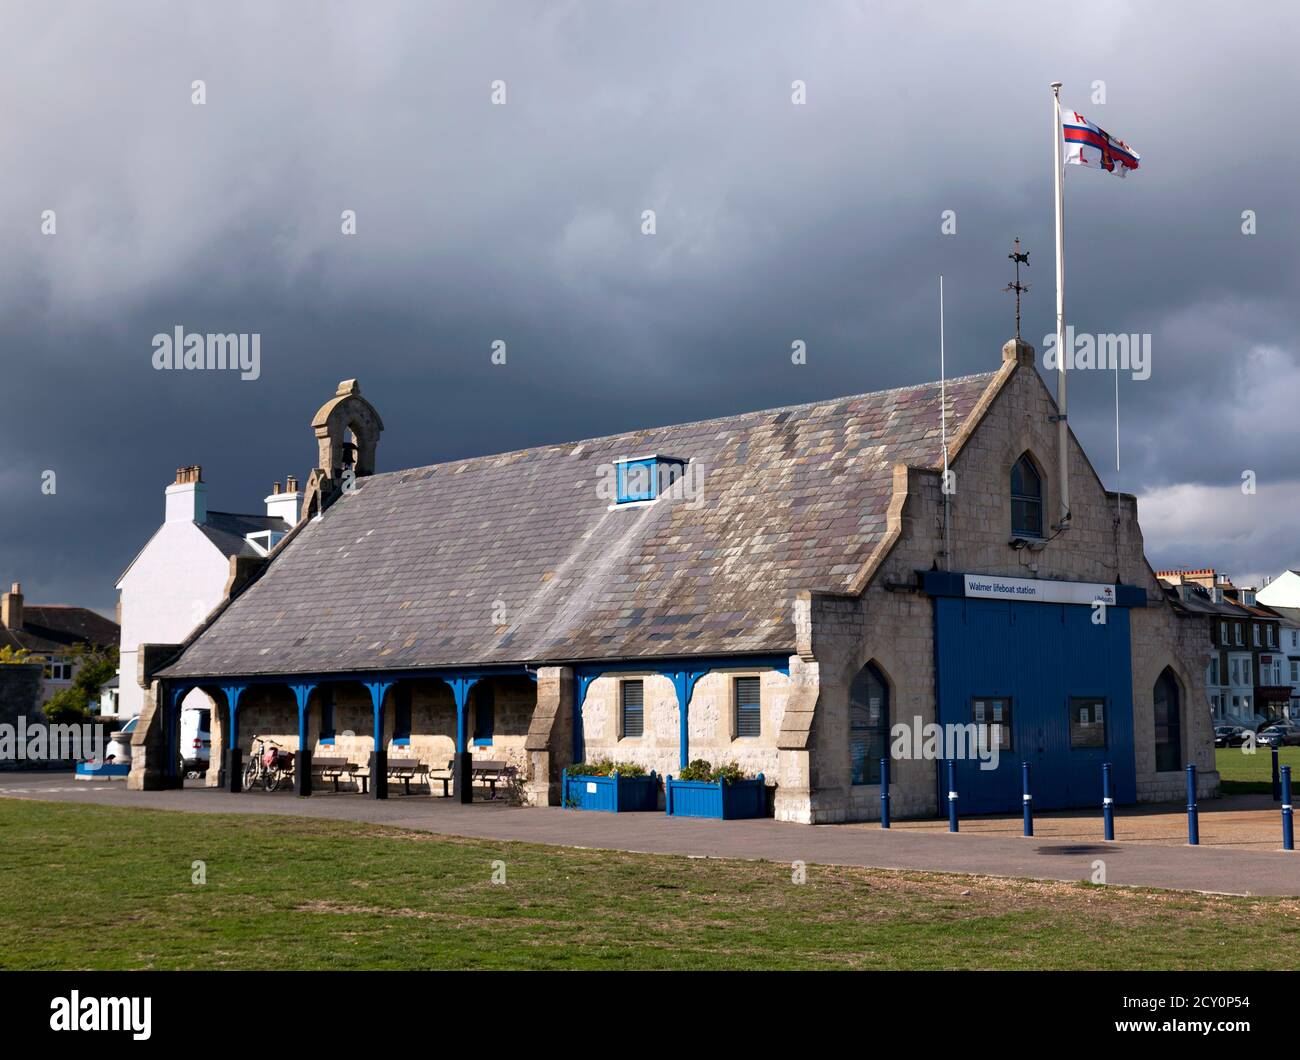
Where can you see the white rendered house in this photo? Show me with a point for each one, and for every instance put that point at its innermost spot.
(181, 574)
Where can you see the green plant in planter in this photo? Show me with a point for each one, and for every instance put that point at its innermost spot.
(702, 769)
(599, 768)
(729, 773)
(603, 767)
(697, 769)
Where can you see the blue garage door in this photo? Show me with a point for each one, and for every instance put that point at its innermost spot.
(1066, 685)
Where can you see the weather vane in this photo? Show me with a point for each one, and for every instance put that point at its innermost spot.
(1016, 285)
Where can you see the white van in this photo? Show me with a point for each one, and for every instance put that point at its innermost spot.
(196, 741)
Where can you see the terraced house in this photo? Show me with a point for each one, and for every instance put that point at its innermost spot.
(778, 588)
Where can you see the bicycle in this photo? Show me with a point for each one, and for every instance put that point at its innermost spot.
(270, 765)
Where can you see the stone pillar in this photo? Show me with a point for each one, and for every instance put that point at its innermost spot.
(550, 735)
(814, 782)
(216, 774)
(149, 743)
(793, 799)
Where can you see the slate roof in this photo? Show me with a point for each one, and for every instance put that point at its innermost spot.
(407, 571)
(52, 628)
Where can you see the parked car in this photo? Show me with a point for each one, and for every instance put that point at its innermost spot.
(1229, 735)
(1279, 734)
(196, 741)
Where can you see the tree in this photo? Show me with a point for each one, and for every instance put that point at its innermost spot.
(10, 657)
(92, 669)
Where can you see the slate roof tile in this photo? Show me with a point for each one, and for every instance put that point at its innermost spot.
(408, 569)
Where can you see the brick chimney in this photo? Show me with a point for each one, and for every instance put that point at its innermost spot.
(283, 504)
(11, 608)
(187, 497)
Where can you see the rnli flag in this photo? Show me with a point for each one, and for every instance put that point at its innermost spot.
(1092, 146)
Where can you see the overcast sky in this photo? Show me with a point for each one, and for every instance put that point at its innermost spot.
(522, 222)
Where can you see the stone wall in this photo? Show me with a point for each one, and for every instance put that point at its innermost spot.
(710, 722)
(20, 697)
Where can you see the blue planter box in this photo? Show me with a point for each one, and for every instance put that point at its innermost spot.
(88, 771)
(728, 802)
(612, 794)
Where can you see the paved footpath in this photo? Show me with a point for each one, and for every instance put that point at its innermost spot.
(1205, 868)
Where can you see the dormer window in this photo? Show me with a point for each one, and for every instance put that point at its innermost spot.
(646, 478)
(1026, 499)
(264, 540)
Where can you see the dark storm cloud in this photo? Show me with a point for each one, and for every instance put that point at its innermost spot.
(479, 222)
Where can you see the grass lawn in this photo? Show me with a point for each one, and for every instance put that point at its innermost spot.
(1242, 774)
(110, 888)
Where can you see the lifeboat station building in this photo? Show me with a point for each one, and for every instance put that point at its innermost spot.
(800, 591)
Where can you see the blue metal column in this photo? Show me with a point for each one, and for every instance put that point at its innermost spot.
(581, 683)
(177, 754)
(173, 770)
(464, 777)
(234, 757)
(1027, 798)
(684, 682)
(378, 756)
(884, 792)
(1288, 835)
(952, 795)
(1193, 821)
(302, 765)
(1107, 802)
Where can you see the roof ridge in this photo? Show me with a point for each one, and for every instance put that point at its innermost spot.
(689, 423)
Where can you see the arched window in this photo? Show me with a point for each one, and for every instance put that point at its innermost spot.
(1026, 499)
(868, 724)
(1169, 729)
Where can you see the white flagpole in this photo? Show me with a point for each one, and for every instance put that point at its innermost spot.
(943, 431)
(1063, 429)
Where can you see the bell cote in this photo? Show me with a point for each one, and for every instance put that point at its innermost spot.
(347, 431)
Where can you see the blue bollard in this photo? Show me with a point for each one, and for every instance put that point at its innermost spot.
(1288, 836)
(1027, 799)
(952, 795)
(1107, 803)
(884, 792)
(1277, 783)
(1193, 823)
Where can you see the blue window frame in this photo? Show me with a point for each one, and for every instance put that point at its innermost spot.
(402, 716)
(646, 477)
(326, 696)
(484, 714)
(632, 707)
(749, 707)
